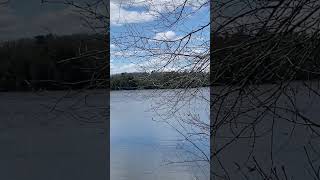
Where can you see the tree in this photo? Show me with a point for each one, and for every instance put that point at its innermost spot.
(187, 55)
(174, 60)
(252, 43)
(278, 45)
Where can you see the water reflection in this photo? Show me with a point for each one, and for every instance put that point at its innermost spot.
(143, 149)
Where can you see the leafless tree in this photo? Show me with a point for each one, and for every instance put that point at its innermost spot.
(264, 70)
(264, 73)
(265, 55)
(162, 52)
(95, 16)
(155, 47)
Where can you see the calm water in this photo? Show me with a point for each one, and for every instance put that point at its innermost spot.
(279, 140)
(39, 142)
(142, 148)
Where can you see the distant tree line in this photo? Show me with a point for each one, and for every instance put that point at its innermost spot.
(43, 62)
(54, 62)
(62, 62)
(158, 80)
(237, 57)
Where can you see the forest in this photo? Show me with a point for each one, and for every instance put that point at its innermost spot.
(240, 57)
(51, 62)
(42, 62)
(158, 80)
(76, 61)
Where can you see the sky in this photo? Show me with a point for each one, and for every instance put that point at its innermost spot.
(150, 18)
(21, 19)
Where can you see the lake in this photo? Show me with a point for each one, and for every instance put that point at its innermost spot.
(69, 141)
(147, 141)
(268, 131)
(61, 135)
(53, 135)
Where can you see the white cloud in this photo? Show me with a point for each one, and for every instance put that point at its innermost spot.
(150, 9)
(162, 5)
(168, 35)
(121, 68)
(120, 16)
(140, 11)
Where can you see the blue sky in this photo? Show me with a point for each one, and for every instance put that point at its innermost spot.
(146, 18)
